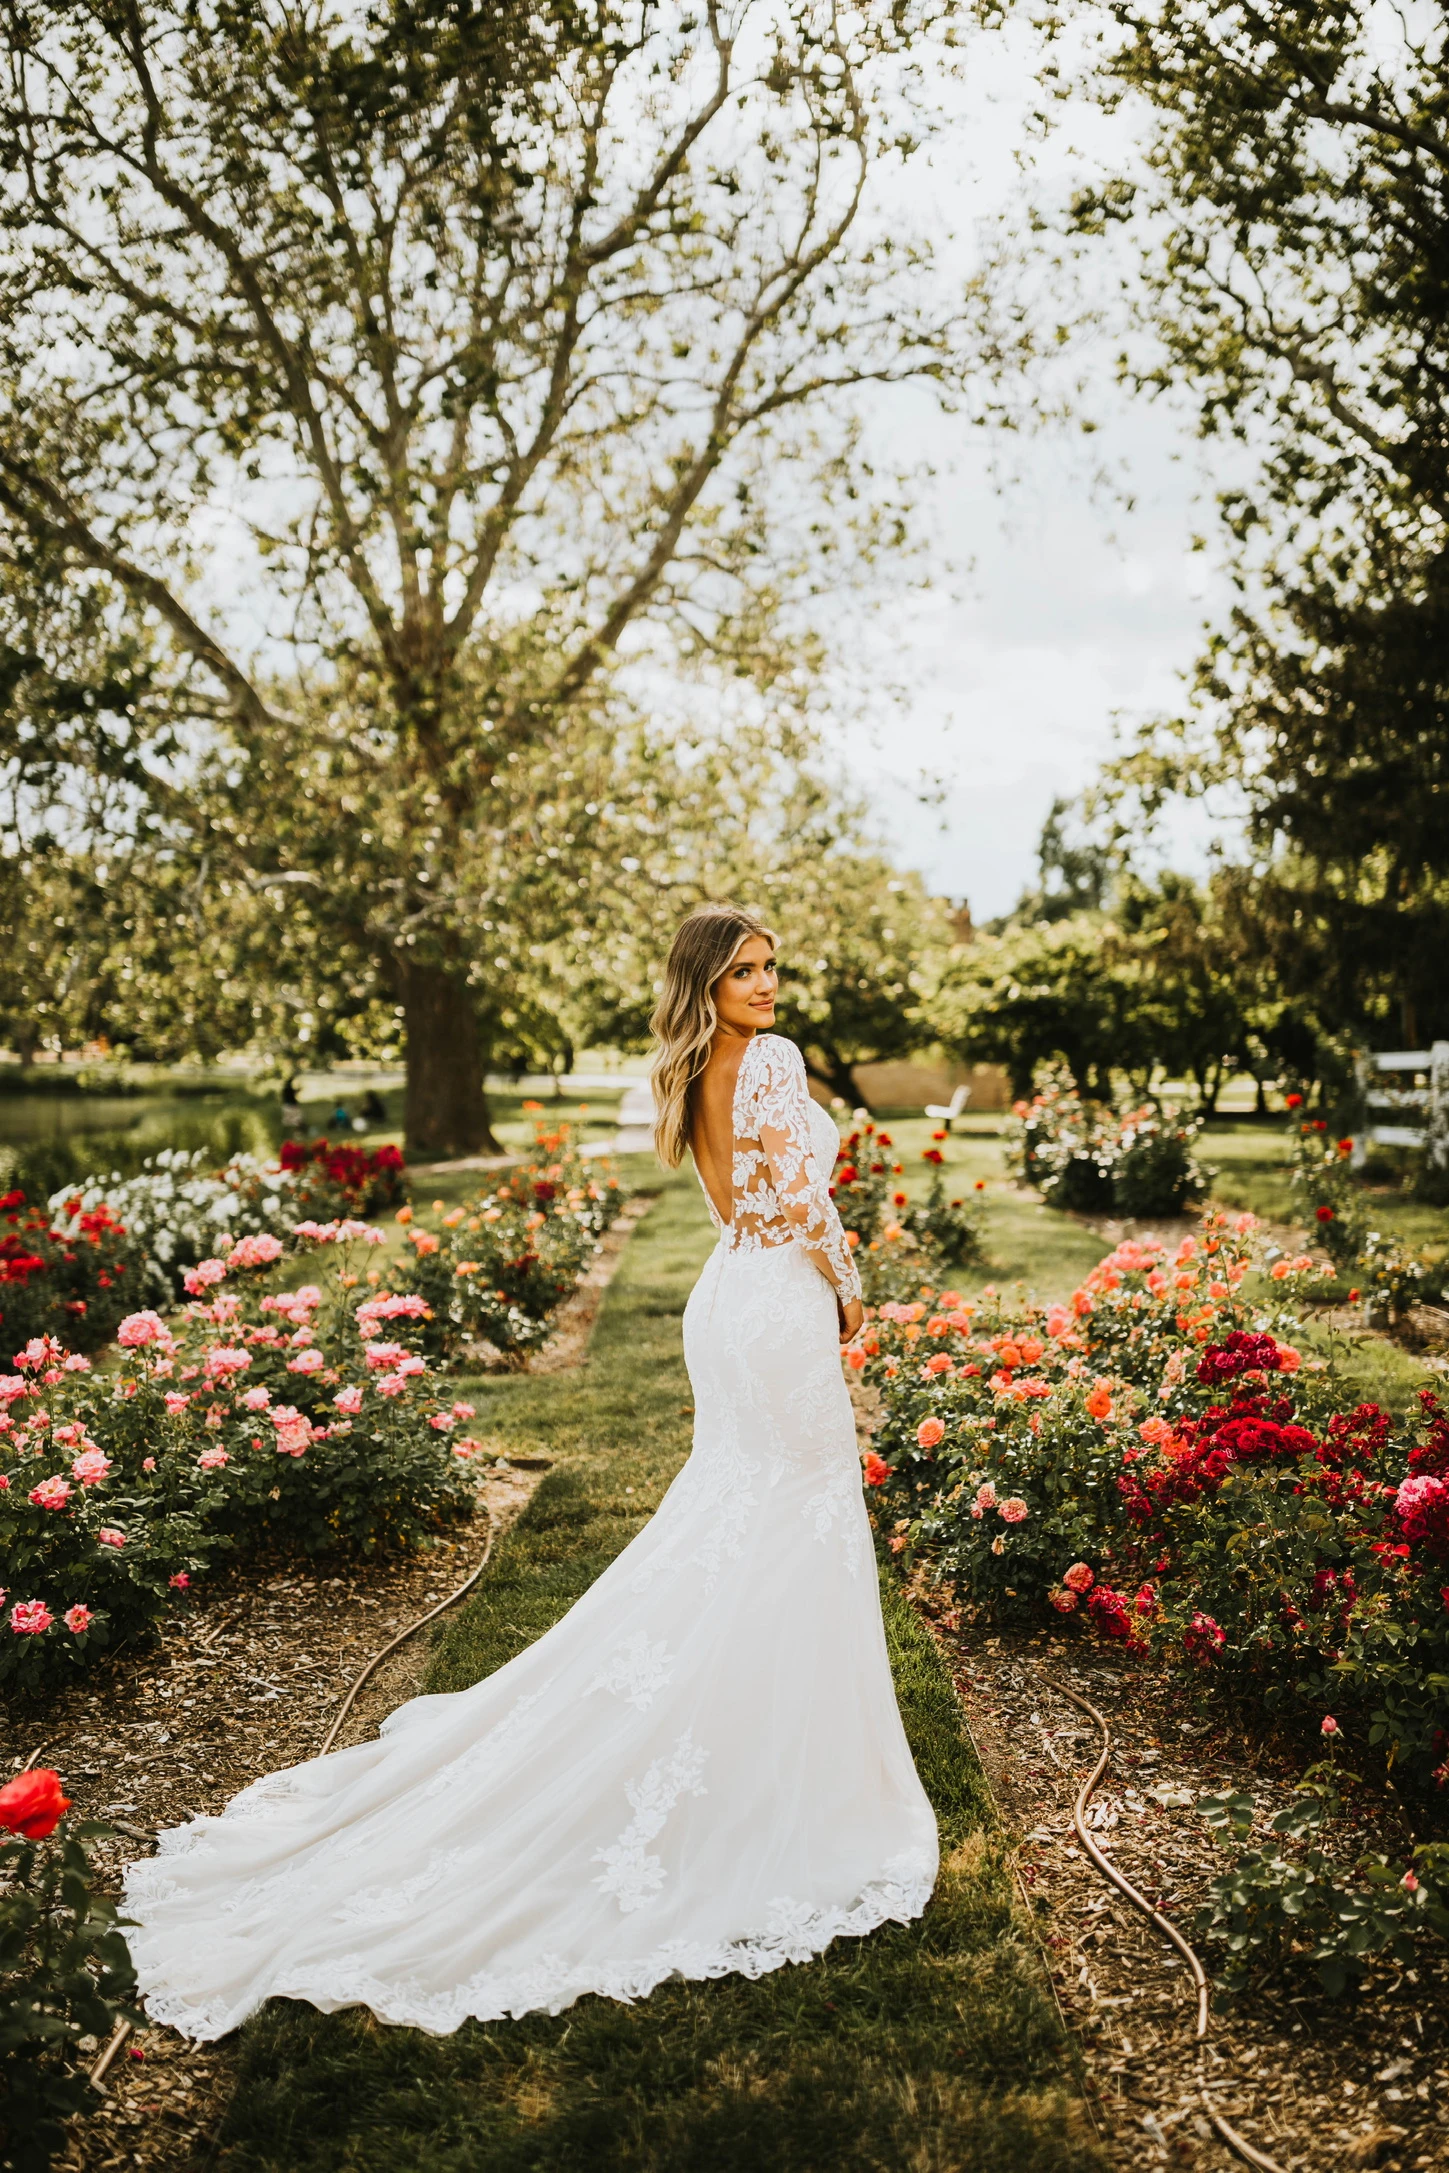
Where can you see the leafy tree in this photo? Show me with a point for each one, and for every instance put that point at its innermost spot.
(402, 367)
(1295, 229)
(1043, 993)
(853, 930)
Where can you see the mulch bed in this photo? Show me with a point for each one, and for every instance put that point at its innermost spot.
(1311, 2081)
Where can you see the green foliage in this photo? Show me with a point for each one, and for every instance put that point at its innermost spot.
(65, 1974)
(1295, 252)
(1095, 1158)
(1327, 1193)
(498, 1267)
(1288, 1904)
(893, 1234)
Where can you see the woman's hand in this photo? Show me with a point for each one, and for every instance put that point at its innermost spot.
(852, 1319)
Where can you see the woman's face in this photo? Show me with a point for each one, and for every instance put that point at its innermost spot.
(744, 994)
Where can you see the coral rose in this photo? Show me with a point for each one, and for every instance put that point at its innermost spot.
(1079, 1578)
(929, 1432)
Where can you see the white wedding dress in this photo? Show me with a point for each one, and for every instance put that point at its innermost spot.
(700, 1769)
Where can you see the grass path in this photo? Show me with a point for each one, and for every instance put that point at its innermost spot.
(931, 2048)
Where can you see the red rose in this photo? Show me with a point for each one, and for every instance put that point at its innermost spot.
(1325, 1214)
(32, 1805)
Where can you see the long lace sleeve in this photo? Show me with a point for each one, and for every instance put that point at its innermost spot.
(780, 1107)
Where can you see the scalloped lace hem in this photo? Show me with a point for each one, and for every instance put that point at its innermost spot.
(796, 1933)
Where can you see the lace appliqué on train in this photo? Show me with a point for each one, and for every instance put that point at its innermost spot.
(637, 1672)
(630, 1873)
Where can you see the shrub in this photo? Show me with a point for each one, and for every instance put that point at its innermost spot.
(330, 1180)
(496, 1270)
(1093, 1159)
(180, 1207)
(1327, 1192)
(90, 1560)
(65, 1972)
(258, 1417)
(73, 1280)
(1156, 1463)
(1289, 1902)
(890, 1234)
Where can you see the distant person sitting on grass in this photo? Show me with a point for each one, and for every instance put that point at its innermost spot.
(373, 1107)
(340, 1119)
(291, 1099)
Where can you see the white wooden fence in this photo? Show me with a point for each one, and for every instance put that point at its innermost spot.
(1406, 1101)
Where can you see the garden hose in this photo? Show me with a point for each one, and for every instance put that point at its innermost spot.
(1247, 2151)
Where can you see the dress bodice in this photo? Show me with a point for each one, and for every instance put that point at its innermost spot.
(784, 1151)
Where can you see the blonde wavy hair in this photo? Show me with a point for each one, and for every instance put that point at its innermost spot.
(685, 1017)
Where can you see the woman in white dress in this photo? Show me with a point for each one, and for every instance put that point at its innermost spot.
(701, 1768)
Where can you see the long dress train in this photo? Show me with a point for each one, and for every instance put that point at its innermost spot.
(700, 1769)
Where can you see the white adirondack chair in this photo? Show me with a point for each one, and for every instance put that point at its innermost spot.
(947, 1112)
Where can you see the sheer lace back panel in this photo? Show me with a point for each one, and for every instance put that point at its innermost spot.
(784, 1152)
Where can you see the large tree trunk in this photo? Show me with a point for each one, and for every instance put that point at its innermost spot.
(446, 1110)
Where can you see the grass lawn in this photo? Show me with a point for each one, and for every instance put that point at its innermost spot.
(932, 2047)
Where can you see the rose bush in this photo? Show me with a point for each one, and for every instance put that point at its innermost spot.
(890, 1234)
(1156, 1463)
(494, 1272)
(65, 1972)
(257, 1415)
(1096, 1159)
(72, 1274)
(179, 1209)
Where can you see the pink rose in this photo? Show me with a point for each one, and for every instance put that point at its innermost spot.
(464, 1410)
(930, 1431)
(255, 1252)
(986, 1496)
(382, 1356)
(1078, 1578)
(12, 1386)
(90, 1467)
(139, 1329)
(110, 1537)
(1063, 1600)
(28, 1618)
(391, 1384)
(212, 1459)
(257, 1399)
(202, 1276)
(1013, 1509)
(148, 1463)
(348, 1399)
(179, 1582)
(1330, 1726)
(176, 1402)
(77, 1362)
(310, 1361)
(77, 1618)
(442, 1422)
(50, 1494)
(222, 1362)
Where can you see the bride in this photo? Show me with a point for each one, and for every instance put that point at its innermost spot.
(701, 1768)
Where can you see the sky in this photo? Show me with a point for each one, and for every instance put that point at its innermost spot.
(1059, 601)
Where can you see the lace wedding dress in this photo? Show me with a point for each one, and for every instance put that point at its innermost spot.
(700, 1769)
